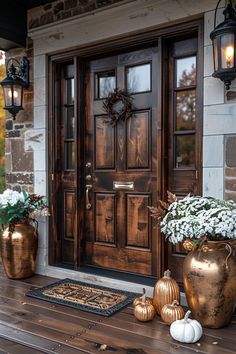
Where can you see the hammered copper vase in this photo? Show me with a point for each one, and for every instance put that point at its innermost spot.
(209, 274)
(19, 244)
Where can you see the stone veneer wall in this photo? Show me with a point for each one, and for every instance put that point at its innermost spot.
(19, 164)
(219, 124)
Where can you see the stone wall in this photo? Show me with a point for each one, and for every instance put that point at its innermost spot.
(63, 9)
(19, 165)
(219, 124)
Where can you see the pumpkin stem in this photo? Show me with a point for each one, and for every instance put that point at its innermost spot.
(167, 274)
(186, 316)
(175, 303)
(143, 298)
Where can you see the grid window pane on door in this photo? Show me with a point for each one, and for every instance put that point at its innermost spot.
(185, 112)
(138, 78)
(105, 83)
(69, 120)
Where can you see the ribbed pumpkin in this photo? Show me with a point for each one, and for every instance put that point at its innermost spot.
(138, 300)
(144, 311)
(165, 292)
(172, 312)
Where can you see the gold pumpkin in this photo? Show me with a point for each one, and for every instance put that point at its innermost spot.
(165, 292)
(144, 311)
(138, 300)
(172, 312)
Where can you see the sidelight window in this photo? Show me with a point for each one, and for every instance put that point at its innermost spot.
(69, 119)
(185, 112)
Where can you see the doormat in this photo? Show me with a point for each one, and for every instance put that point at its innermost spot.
(83, 296)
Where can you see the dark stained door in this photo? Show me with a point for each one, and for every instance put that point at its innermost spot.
(118, 230)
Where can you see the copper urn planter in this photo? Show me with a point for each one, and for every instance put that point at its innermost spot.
(209, 274)
(19, 244)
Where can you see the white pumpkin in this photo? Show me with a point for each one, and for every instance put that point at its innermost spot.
(186, 330)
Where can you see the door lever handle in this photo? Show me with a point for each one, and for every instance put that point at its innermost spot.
(88, 204)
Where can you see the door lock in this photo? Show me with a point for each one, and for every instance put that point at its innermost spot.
(88, 178)
(88, 164)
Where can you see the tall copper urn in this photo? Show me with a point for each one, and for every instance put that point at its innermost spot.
(209, 274)
(19, 244)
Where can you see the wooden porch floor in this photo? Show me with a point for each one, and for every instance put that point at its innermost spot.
(32, 326)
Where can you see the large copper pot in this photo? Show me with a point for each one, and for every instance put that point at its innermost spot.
(19, 244)
(210, 282)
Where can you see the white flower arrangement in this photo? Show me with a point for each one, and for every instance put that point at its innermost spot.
(15, 206)
(10, 197)
(194, 217)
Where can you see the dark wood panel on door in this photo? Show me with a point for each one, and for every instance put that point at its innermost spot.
(124, 160)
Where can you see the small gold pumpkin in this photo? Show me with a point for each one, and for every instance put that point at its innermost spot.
(144, 311)
(189, 245)
(165, 292)
(138, 300)
(172, 312)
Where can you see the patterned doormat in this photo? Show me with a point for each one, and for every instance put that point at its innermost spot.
(83, 296)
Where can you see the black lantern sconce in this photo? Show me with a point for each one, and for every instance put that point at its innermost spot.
(224, 46)
(14, 83)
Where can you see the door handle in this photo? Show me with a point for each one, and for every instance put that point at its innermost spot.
(88, 204)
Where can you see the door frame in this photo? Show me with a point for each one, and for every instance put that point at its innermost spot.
(141, 40)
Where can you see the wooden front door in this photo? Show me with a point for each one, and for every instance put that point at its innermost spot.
(102, 178)
(122, 174)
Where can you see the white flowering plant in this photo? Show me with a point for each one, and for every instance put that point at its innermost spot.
(15, 206)
(195, 217)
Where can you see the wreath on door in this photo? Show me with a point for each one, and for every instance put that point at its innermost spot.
(118, 106)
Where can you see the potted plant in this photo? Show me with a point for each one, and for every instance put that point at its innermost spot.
(207, 227)
(19, 231)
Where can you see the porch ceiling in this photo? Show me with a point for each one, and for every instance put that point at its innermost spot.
(13, 22)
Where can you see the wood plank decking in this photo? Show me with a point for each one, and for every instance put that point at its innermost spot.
(32, 326)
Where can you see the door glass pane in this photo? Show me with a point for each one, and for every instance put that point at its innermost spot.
(70, 91)
(185, 110)
(186, 71)
(139, 78)
(69, 155)
(106, 83)
(184, 151)
(70, 123)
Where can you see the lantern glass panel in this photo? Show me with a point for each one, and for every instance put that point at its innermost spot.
(227, 51)
(17, 95)
(7, 95)
(215, 51)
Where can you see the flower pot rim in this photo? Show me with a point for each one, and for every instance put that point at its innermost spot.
(220, 241)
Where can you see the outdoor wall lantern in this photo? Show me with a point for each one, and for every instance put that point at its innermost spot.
(14, 83)
(224, 46)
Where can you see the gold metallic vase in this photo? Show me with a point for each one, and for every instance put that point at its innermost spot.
(209, 274)
(19, 244)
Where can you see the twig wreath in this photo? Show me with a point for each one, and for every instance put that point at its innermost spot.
(118, 106)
